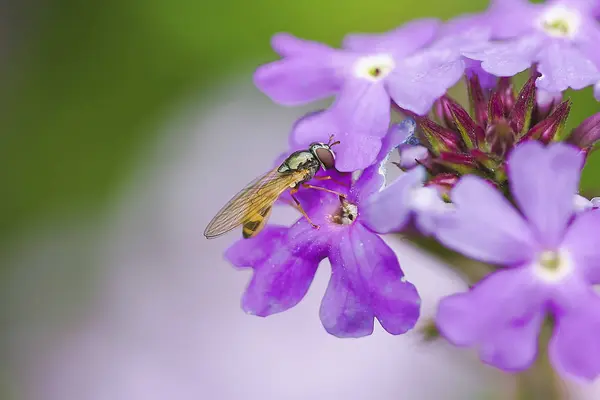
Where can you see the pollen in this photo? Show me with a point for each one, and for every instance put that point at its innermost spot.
(375, 67)
(346, 214)
(560, 22)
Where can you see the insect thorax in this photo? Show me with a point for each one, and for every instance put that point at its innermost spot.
(300, 160)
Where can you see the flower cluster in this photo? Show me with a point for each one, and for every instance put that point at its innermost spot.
(496, 180)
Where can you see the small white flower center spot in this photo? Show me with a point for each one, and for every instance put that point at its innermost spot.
(553, 266)
(375, 67)
(346, 214)
(560, 21)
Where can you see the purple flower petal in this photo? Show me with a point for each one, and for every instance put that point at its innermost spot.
(305, 240)
(510, 57)
(583, 242)
(400, 42)
(564, 66)
(484, 225)
(575, 347)
(372, 179)
(486, 80)
(419, 80)
(388, 210)
(297, 80)
(363, 108)
(367, 282)
(355, 151)
(501, 315)
(410, 155)
(313, 127)
(287, 45)
(511, 18)
(543, 181)
(309, 71)
(278, 283)
(253, 251)
(280, 279)
(597, 91)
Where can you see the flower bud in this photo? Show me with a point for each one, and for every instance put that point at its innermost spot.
(587, 133)
(440, 139)
(520, 116)
(507, 94)
(546, 130)
(545, 104)
(471, 133)
(479, 108)
(461, 163)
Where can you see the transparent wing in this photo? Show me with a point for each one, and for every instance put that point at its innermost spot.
(259, 193)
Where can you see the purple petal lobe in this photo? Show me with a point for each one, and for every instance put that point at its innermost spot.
(363, 108)
(583, 242)
(575, 346)
(280, 279)
(355, 151)
(373, 178)
(400, 42)
(501, 315)
(388, 210)
(543, 181)
(253, 251)
(297, 80)
(278, 283)
(507, 58)
(367, 282)
(419, 80)
(287, 45)
(484, 225)
(564, 66)
(305, 240)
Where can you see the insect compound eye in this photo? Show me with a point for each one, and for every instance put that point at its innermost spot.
(326, 157)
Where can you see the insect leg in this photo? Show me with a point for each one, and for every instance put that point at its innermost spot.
(299, 208)
(309, 186)
(329, 178)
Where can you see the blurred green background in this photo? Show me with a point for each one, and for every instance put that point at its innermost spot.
(88, 83)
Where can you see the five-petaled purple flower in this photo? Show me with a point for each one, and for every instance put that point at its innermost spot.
(553, 255)
(407, 66)
(560, 36)
(366, 279)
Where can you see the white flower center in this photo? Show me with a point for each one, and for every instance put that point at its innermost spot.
(374, 68)
(553, 266)
(346, 214)
(560, 21)
(427, 199)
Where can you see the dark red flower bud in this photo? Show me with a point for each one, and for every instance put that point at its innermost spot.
(495, 109)
(520, 117)
(547, 129)
(587, 134)
(507, 94)
(479, 108)
(437, 138)
(459, 162)
(471, 133)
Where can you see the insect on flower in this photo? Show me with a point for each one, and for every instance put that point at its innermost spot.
(251, 207)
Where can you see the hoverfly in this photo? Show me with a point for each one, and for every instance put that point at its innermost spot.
(251, 207)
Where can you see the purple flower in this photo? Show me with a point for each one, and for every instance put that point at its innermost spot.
(553, 259)
(366, 280)
(364, 77)
(561, 36)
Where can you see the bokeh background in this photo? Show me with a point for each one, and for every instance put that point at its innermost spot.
(125, 125)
